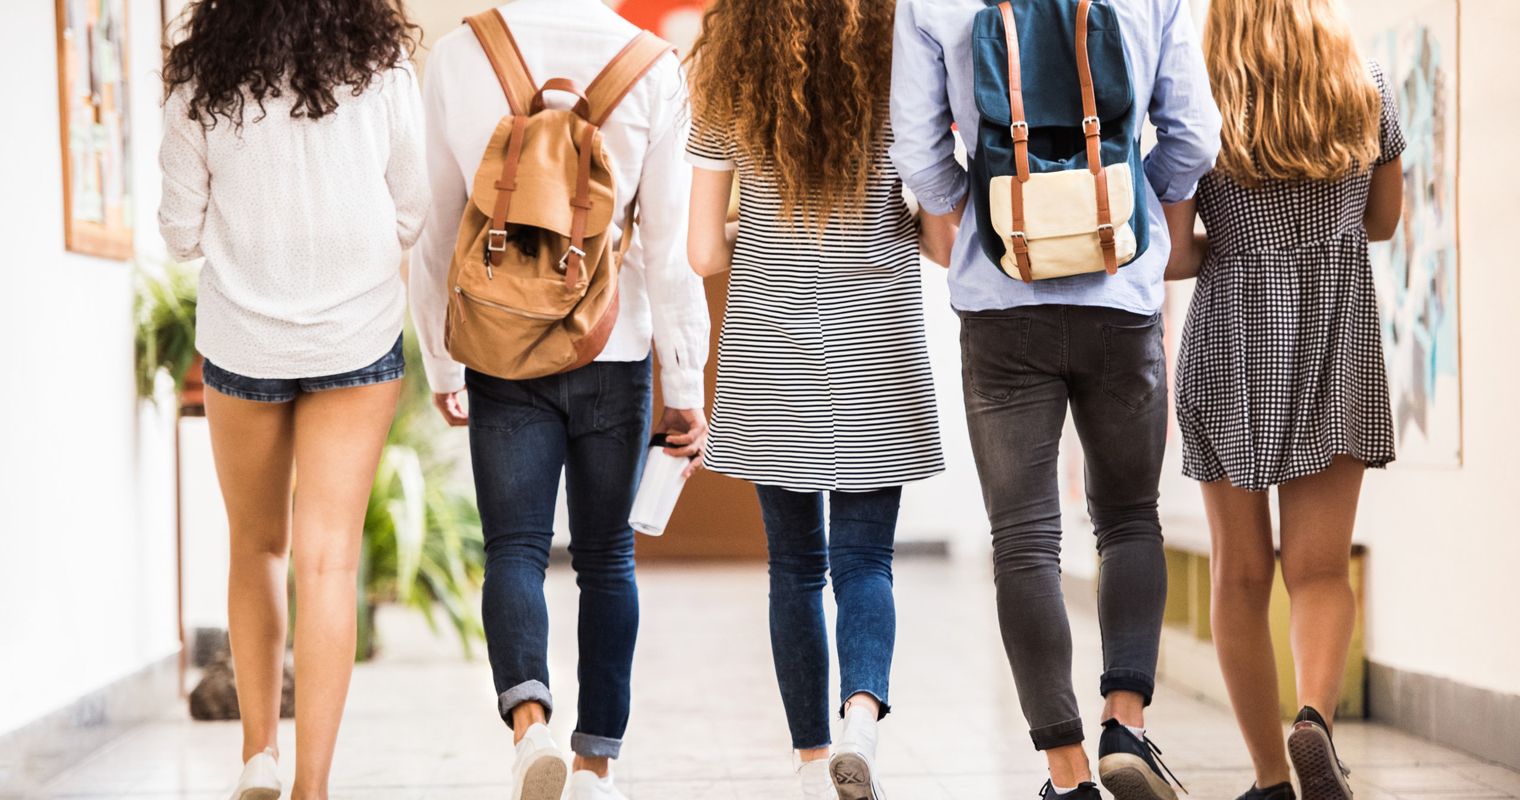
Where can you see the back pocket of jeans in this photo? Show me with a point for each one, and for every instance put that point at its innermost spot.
(995, 354)
(1134, 361)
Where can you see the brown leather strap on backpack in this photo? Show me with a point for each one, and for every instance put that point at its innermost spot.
(506, 59)
(1019, 128)
(622, 73)
(603, 95)
(582, 107)
(1092, 129)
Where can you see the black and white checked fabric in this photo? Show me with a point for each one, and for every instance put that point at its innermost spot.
(823, 367)
(1281, 364)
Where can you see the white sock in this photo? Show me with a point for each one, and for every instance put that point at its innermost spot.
(1062, 789)
(1138, 732)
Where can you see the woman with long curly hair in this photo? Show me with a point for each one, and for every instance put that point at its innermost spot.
(824, 383)
(1280, 377)
(292, 163)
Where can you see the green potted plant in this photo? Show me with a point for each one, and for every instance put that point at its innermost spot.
(423, 546)
(164, 310)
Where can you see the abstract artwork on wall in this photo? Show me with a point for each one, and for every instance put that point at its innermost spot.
(95, 127)
(1417, 273)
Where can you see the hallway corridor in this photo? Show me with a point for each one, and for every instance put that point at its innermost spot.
(707, 723)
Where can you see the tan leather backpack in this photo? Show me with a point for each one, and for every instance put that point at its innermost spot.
(533, 278)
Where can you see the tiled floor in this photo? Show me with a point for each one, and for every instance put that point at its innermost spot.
(707, 723)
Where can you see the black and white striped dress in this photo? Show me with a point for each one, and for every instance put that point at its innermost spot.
(823, 369)
(1281, 363)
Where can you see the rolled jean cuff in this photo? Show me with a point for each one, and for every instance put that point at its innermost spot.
(585, 744)
(881, 701)
(1060, 734)
(525, 692)
(1128, 680)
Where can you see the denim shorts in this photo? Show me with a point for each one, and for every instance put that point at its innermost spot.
(390, 367)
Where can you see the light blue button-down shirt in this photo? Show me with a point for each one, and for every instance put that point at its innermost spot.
(932, 87)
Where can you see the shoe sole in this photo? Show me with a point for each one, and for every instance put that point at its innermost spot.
(259, 794)
(1128, 777)
(852, 777)
(544, 779)
(1313, 757)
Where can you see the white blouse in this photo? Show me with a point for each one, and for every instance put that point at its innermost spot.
(302, 224)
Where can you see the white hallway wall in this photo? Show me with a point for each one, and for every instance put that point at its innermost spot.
(86, 514)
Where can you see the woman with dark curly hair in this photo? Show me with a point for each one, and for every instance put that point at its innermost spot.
(824, 383)
(292, 162)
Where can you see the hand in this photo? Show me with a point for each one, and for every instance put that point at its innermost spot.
(685, 432)
(452, 410)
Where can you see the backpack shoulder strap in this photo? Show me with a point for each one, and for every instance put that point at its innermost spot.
(622, 73)
(1092, 131)
(506, 59)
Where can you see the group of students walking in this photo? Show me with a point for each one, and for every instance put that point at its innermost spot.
(302, 160)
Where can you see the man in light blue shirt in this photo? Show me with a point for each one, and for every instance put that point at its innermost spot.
(1092, 343)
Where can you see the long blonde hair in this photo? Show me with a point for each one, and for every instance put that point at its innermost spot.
(1298, 101)
(802, 84)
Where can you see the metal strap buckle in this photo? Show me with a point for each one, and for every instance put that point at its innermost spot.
(1108, 229)
(1019, 131)
(1020, 240)
(1096, 124)
(565, 259)
(496, 241)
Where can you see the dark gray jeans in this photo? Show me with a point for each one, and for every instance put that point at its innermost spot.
(1021, 368)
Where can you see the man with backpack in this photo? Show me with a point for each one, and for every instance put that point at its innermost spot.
(554, 253)
(1058, 276)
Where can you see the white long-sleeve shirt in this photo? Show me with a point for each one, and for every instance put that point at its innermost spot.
(302, 224)
(645, 138)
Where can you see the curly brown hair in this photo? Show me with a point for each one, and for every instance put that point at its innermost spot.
(236, 50)
(803, 87)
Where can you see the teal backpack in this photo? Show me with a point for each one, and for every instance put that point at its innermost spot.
(1057, 173)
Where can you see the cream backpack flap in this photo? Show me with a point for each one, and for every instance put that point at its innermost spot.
(534, 278)
(1057, 171)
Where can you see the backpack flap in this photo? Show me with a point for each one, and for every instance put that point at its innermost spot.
(544, 190)
(1052, 94)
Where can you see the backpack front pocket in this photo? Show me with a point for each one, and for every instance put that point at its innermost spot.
(1061, 221)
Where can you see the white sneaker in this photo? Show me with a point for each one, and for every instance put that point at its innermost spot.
(540, 770)
(260, 779)
(813, 777)
(853, 766)
(585, 785)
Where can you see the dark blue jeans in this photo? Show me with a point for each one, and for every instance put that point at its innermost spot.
(594, 423)
(857, 554)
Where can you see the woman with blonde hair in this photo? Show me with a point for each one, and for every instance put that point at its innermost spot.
(1281, 378)
(824, 383)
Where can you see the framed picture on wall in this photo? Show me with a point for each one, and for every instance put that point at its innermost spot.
(95, 127)
(1418, 273)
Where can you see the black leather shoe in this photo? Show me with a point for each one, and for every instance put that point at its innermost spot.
(1086, 790)
(1129, 767)
(1321, 775)
(1281, 791)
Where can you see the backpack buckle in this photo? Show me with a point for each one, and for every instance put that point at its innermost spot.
(1092, 126)
(496, 241)
(564, 260)
(1020, 242)
(1019, 131)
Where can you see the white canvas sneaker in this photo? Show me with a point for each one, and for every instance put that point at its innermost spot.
(540, 770)
(853, 765)
(585, 785)
(814, 781)
(260, 779)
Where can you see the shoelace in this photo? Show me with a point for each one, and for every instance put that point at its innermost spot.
(1156, 752)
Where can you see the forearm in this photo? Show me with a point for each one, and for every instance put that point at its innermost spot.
(1188, 246)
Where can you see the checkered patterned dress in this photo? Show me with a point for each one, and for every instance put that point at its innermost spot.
(1281, 365)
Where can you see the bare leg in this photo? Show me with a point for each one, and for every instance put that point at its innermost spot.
(1243, 564)
(1125, 706)
(252, 445)
(1318, 514)
(339, 436)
